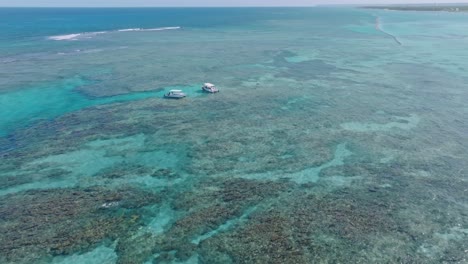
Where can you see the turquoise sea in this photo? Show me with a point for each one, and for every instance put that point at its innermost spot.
(340, 135)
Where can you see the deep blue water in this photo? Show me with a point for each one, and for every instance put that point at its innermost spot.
(18, 23)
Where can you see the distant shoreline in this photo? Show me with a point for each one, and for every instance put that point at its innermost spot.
(437, 8)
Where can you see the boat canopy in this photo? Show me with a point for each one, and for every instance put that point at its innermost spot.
(175, 91)
(209, 85)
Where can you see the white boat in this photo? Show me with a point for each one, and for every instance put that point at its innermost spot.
(175, 94)
(210, 88)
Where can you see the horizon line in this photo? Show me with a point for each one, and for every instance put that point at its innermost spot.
(243, 6)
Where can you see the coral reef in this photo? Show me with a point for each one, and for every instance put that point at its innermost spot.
(265, 239)
(133, 248)
(334, 228)
(212, 206)
(316, 150)
(63, 221)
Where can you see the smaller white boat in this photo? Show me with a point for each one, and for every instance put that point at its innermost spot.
(175, 94)
(210, 88)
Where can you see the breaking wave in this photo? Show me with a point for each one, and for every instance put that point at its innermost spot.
(147, 29)
(83, 35)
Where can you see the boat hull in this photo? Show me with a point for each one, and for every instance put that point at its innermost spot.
(210, 90)
(174, 96)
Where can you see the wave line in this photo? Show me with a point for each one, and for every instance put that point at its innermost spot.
(378, 27)
(77, 36)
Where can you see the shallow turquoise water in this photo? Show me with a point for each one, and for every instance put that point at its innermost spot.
(23, 107)
(329, 142)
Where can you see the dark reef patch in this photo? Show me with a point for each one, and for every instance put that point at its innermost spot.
(42, 223)
(333, 228)
(265, 239)
(12, 180)
(208, 205)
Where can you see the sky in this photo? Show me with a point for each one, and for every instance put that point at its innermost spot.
(143, 3)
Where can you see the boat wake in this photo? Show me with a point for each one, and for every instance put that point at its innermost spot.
(87, 35)
(378, 27)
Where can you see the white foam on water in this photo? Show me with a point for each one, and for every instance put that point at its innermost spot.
(77, 35)
(129, 29)
(65, 37)
(147, 29)
(88, 35)
(162, 28)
